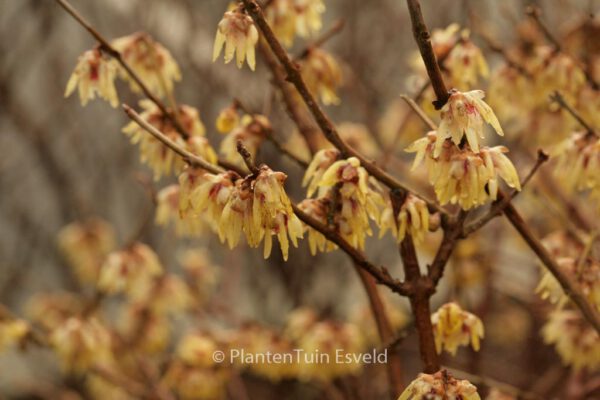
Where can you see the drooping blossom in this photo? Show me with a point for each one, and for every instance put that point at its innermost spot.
(94, 74)
(239, 35)
(227, 120)
(466, 63)
(167, 212)
(454, 327)
(321, 161)
(440, 385)
(318, 209)
(412, 219)
(252, 131)
(323, 75)
(151, 62)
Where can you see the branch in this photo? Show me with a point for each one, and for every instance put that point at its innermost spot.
(335, 28)
(322, 120)
(499, 205)
(419, 111)
(111, 51)
(535, 13)
(569, 287)
(423, 40)
(560, 100)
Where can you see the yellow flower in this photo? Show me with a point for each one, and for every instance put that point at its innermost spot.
(506, 94)
(587, 279)
(318, 209)
(94, 74)
(461, 175)
(252, 132)
(12, 332)
(81, 344)
(161, 159)
(576, 342)
(167, 211)
(272, 211)
(360, 199)
(206, 194)
(440, 385)
(321, 161)
(308, 16)
(322, 75)
(466, 63)
(51, 309)
(281, 15)
(239, 35)
(197, 350)
(201, 272)
(453, 327)
(578, 161)
(464, 115)
(413, 219)
(148, 331)
(129, 270)
(85, 245)
(150, 60)
(237, 217)
(227, 120)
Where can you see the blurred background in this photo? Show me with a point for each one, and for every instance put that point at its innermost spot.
(61, 162)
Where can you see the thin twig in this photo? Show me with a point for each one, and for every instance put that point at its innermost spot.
(114, 53)
(560, 100)
(419, 111)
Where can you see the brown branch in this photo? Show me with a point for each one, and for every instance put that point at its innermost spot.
(423, 40)
(560, 100)
(535, 13)
(569, 287)
(111, 51)
(380, 274)
(247, 157)
(322, 120)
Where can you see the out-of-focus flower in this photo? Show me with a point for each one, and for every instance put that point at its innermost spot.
(201, 272)
(464, 115)
(443, 40)
(359, 138)
(466, 63)
(252, 131)
(167, 294)
(576, 342)
(321, 161)
(586, 276)
(505, 93)
(85, 244)
(453, 327)
(496, 394)
(557, 71)
(272, 211)
(413, 219)
(308, 16)
(206, 195)
(440, 385)
(239, 35)
(319, 210)
(80, 344)
(462, 176)
(51, 309)
(94, 74)
(100, 388)
(227, 120)
(151, 62)
(322, 75)
(193, 373)
(12, 331)
(129, 270)
(167, 211)
(289, 18)
(147, 330)
(160, 158)
(360, 199)
(578, 161)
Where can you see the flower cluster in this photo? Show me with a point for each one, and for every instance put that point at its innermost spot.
(440, 385)
(237, 33)
(129, 270)
(256, 205)
(150, 61)
(322, 75)
(81, 344)
(96, 72)
(85, 246)
(353, 197)
(289, 18)
(578, 161)
(461, 175)
(453, 327)
(577, 343)
(161, 159)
